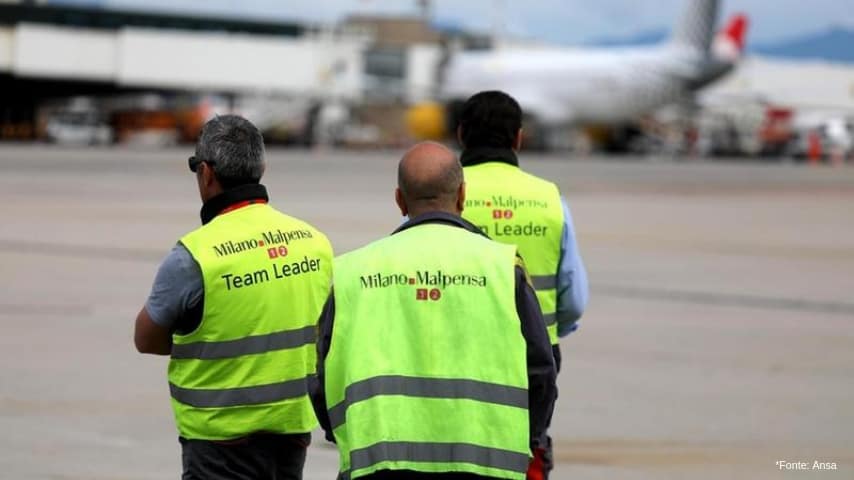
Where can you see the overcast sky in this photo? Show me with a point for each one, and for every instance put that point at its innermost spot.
(565, 21)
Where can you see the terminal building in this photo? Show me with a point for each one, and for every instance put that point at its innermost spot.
(118, 60)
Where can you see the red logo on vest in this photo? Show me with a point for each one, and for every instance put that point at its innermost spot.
(276, 252)
(424, 294)
(499, 214)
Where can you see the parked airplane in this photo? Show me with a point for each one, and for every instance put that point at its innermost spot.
(589, 86)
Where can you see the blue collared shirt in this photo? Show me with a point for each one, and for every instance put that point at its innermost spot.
(573, 291)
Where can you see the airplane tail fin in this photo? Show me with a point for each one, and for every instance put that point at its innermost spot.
(696, 25)
(730, 41)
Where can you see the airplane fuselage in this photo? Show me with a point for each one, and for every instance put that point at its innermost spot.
(580, 86)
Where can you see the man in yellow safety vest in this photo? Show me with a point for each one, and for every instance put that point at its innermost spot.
(235, 305)
(518, 208)
(433, 357)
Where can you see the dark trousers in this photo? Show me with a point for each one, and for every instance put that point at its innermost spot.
(256, 457)
(547, 459)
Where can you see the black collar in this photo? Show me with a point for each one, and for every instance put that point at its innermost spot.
(476, 156)
(439, 217)
(242, 193)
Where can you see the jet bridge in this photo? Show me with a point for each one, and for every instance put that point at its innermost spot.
(136, 50)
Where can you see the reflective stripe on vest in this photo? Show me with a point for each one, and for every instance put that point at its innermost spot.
(453, 453)
(232, 397)
(246, 367)
(246, 346)
(424, 347)
(453, 388)
(517, 208)
(544, 282)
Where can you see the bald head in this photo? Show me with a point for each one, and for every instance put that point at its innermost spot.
(429, 178)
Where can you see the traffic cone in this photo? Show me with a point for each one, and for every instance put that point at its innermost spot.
(813, 148)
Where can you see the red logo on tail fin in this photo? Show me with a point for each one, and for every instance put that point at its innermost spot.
(736, 30)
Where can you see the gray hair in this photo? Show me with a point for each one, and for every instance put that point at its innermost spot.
(235, 149)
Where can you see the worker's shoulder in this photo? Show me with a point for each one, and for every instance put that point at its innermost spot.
(299, 225)
(489, 169)
(538, 180)
(179, 261)
(468, 242)
(343, 260)
(385, 245)
(437, 234)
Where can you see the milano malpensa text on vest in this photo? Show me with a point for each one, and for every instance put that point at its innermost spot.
(502, 208)
(275, 243)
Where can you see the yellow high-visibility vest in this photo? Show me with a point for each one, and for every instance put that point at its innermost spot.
(427, 366)
(518, 208)
(245, 368)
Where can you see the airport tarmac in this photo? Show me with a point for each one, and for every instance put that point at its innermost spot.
(719, 339)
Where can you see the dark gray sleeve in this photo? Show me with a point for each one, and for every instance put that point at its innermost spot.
(177, 288)
(542, 375)
(317, 390)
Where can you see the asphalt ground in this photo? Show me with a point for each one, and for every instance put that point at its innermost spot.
(719, 339)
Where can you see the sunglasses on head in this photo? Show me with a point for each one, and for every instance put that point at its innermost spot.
(194, 162)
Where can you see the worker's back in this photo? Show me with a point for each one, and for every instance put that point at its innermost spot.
(427, 369)
(245, 368)
(517, 208)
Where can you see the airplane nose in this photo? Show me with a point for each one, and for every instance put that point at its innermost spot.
(426, 121)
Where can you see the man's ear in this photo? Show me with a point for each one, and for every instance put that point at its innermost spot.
(209, 185)
(208, 175)
(401, 203)
(460, 136)
(517, 141)
(461, 197)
